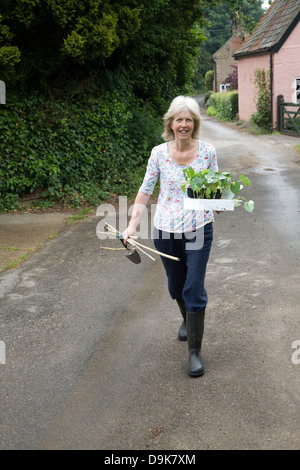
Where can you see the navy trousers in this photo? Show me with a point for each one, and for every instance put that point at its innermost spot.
(186, 277)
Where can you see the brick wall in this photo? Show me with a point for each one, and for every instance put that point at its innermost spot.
(223, 57)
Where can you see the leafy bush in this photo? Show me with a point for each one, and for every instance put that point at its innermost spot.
(8, 202)
(75, 149)
(211, 111)
(232, 78)
(209, 80)
(260, 121)
(206, 97)
(225, 105)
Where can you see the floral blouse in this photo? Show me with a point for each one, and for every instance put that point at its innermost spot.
(170, 215)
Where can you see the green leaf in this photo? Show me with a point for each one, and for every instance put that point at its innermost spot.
(227, 194)
(235, 188)
(249, 206)
(207, 192)
(189, 173)
(245, 180)
(183, 186)
(197, 182)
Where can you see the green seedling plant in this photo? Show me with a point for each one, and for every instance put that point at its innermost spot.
(206, 184)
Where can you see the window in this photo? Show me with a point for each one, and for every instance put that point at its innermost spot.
(298, 90)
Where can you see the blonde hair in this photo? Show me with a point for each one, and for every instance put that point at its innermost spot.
(179, 104)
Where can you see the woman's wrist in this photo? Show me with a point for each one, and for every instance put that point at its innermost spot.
(130, 230)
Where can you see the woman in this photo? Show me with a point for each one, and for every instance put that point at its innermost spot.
(186, 234)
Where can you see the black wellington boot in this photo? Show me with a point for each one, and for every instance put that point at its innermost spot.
(195, 330)
(182, 336)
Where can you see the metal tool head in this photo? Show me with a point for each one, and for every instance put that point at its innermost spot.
(132, 254)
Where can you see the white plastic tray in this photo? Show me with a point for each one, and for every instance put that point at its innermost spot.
(208, 204)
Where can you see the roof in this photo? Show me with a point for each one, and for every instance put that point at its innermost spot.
(234, 42)
(273, 29)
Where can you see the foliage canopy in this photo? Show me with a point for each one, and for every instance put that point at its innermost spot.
(152, 44)
(52, 42)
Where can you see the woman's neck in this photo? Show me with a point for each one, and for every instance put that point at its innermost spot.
(183, 146)
(183, 153)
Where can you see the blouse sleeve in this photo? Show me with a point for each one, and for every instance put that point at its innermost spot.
(152, 174)
(213, 162)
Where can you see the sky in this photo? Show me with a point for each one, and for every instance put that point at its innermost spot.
(265, 4)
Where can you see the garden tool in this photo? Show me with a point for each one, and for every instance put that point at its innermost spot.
(132, 245)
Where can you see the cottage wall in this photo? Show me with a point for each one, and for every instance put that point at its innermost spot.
(246, 76)
(287, 68)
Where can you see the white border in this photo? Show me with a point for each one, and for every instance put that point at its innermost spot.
(2, 92)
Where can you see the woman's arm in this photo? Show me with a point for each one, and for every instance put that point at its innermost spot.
(143, 196)
(140, 203)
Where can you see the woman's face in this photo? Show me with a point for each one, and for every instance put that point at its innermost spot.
(183, 125)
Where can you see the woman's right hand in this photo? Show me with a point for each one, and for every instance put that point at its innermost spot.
(130, 231)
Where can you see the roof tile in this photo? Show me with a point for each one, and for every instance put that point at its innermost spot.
(271, 28)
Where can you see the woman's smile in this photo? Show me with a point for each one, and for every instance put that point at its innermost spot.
(183, 124)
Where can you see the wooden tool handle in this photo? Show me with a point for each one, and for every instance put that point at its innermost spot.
(156, 251)
(134, 242)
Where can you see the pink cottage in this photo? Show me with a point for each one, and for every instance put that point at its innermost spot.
(274, 46)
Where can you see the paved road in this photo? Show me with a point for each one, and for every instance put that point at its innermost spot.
(92, 356)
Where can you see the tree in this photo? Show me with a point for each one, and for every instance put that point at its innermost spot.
(51, 42)
(150, 46)
(64, 29)
(168, 40)
(53, 39)
(232, 78)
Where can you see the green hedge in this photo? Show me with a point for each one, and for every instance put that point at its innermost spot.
(76, 150)
(224, 105)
